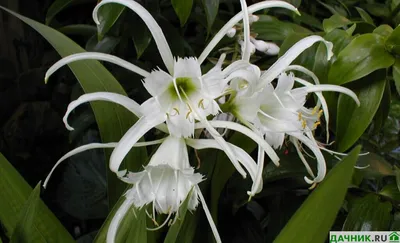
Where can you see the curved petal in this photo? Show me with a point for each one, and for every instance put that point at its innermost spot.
(208, 215)
(334, 88)
(258, 183)
(97, 56)
(243, 157)
(298, 149)
(284, 61)
(187, 67)
(246, 131)
(157, 82)
(119, 215)
(93, 146)
(125, 101)
(240, 64)
(246, 32)
(143, 125)
(231, 23)
(151, 23)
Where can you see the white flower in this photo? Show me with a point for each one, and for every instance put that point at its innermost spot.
(268, 48)
(180, 96)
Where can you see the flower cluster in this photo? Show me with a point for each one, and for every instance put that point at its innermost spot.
(183, 99)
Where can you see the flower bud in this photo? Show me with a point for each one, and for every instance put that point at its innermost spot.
(253, 18)
(268, 48)
(231, 33)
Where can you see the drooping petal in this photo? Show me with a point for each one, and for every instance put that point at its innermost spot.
(208, 215)
(246, 131)
(151, 23)
(143, 125)
(157, 82)
(119, 215)
(97, 56)
(126, 102)
(233, 21)
(331, 87)
(246, 31)
(93, 146)
(187, 67)
(258, 183)
(284, 61)
(301, 156)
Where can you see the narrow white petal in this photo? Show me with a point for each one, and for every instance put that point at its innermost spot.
(258, 183)
(321, 165)
(240, 64)
(246, 131)
(243, 157)
(76, 151)
(284, 61)
(231, 23)
(151, 23)
(119, 215)
(334, 88)
(125, 101)
(208, 216)
(97, 56)
(94, 146)
(246, 32)
(143, 125)
(301, 156)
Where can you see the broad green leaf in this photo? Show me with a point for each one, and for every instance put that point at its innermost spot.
(365, 16)
(141, 37)
(393, 42)
(396, 75)
(376, 166)
(182, 8)
(113, 120)
(317, 214)
(334, 22)
(24, 228)
(175, 228)
(339, 38)
(79, 29)
(105, 45)
(368, 214)
(211, 9)
(361, 57)
(377, 9)
(383, 30)
(59, 5)
(334, 10)
(382, 113)
(309, 20)
(271, 28)
(352, 121)
(135, 223)
(108, 16)
(15, 192)
(391, 191)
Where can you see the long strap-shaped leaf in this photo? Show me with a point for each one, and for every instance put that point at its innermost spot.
(112, 120)
(14, 194)
(313, 220)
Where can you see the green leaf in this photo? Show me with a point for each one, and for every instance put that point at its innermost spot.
(175, 228)
(59, 5)
(376, 166)
(16, 193)
(211, 9)
(317, 214)
(113, 120)
(24, 228)
(108, 16)
(339, 38)
(361, 57)
(368, 214)
(334, 22)
(79, 29)
(182, 8)
(136, 225)
(271, 28)
(391, 191)
(365, 16)
(352, 121)
(141, 37)
(383, 30)
(105, 45)
(393, 42)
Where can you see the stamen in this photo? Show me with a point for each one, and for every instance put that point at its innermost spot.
(198, 159)
(177, 90)
(176, 110)
(201, 104)
(303, 123)
(163, 224)
(300, 116)
(316, 124)
(320, 112)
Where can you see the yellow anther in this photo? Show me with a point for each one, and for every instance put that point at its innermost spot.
(201, 104)
(320, 112)
(314, 111)
(300, 116)
(303, 124)
(187, 115)
(176, 109)
(316, 124)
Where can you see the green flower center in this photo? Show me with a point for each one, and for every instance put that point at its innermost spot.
(185, 85)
